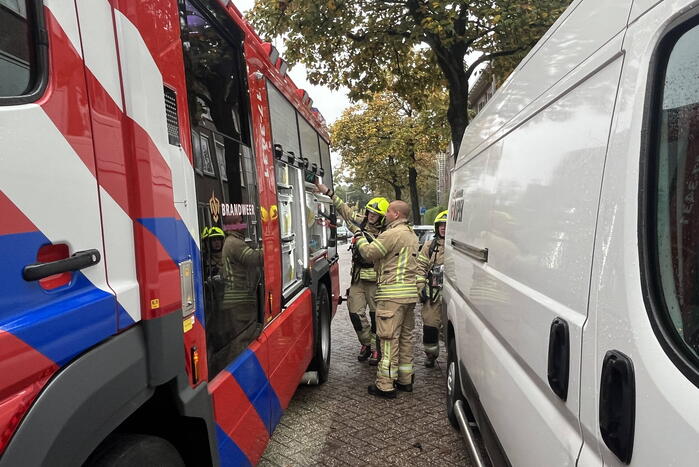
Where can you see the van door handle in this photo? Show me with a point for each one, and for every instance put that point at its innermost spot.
(80, 260)
(559, 357)
(617, 404)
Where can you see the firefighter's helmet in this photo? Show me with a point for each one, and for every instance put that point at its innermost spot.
(440, 219)
(378, 205)
(204, 233)
(216, 232)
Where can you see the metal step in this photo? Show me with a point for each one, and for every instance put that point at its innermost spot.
(467, 431)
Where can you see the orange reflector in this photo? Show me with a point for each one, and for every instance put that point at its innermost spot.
(195, 365)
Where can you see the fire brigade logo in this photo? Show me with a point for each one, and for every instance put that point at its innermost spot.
(214, 207)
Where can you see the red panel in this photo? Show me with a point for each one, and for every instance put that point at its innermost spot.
(108, 134)
(65, 100)
(237, 417)
(289, 342)
(23, 373)
(251, 435)
(264, 159)
(158, 274)
(13, 220)
(150, 177)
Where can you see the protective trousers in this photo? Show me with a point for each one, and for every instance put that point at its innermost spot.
(361, 295)
(431, 322)
(394, 326)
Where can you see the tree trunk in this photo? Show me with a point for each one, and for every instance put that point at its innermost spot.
(414, 197)
(457, 114)
(397, 191)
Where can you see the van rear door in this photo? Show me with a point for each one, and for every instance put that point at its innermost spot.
(640, 369)
(528, 303)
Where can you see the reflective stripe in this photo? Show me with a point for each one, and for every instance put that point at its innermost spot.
(385, 363)
(368, 274)
(402, 263)
(380, 247)
(405, 368)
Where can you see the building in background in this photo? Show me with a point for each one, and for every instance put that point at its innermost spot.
(483, 90)
(443, 162)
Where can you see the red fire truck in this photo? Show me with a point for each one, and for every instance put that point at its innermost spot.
(167, 274)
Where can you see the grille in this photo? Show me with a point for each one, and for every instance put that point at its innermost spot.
(173, 125)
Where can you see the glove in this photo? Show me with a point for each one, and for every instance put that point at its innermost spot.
(422, 292)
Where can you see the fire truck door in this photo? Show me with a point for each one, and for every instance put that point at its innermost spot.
(54, 298)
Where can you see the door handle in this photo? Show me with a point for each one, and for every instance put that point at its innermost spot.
(80, 260)
(617, 404)
(559, 358)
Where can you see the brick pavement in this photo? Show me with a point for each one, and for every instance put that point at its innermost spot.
(338, 423)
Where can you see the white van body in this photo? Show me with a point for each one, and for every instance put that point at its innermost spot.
(553, 219)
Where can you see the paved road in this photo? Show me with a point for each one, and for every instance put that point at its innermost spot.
(338, 423)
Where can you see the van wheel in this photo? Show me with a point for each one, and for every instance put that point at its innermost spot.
(321, 357)
(453, 385)
(127, 450)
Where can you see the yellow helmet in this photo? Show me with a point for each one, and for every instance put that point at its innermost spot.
(378, 205)
(216, 232)
(204, 233)
(440, 219)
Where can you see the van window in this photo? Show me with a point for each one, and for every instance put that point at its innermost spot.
(677, 197)
(17, 51)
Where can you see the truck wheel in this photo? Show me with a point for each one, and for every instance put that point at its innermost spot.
(321, 356)
(126, 450)
(453, 384)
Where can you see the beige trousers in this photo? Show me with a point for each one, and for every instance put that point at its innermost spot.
(394, 327)
(361, 296)
(431, 323)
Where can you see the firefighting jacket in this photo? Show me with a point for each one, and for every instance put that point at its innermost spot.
(360, 269)
(431, 254)
(240, 263)
(394, 254)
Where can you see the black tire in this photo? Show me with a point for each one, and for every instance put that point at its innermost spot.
(127, 450)
(453, 383)
(322, 345)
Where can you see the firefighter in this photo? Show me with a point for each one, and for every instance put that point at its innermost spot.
(363, 284)
(431, 260)
(212, 245)
(235, 320)
(394, 254)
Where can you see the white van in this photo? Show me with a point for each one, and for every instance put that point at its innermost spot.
(571, 289)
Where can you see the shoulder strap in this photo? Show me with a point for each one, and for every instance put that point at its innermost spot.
(433, 248)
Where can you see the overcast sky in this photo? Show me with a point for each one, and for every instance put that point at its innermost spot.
(330, 103)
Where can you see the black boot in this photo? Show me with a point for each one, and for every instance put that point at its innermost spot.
(408, 387)
(375, 358)
(374, 391)
(429, 361)
(404, 387)
(364, 353)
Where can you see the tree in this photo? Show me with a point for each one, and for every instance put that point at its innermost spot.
(388, 145)
(376, 45)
